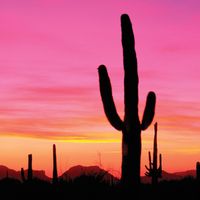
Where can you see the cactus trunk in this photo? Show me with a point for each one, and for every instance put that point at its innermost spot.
(55, 173)
(131, 151)
(131, 141)
(131, 126)
(30, 171)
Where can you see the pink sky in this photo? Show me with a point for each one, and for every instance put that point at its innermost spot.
(49, 54)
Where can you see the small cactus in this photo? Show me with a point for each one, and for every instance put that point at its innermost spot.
(30, 170)
(198, 171)
(154, 171)
(23, 175)
(55, 173)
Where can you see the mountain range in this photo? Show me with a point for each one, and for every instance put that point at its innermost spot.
(6, 172)
(79, 170)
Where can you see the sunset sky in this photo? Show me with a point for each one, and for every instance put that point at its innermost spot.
(49, 93)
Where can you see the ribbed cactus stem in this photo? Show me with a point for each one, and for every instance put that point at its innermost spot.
(30, 171)
(131, 126)
(55, 173)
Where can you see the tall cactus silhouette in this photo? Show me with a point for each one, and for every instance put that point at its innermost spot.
(30, 171)
(55, 173)
(131, 126)
(154, 171)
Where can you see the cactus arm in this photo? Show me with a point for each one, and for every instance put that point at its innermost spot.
(147, 174)
(147, 168)
(107, 99)
(150, 168)
(149, 110)
(131, 73)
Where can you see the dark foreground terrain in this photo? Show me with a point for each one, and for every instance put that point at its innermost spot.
(93, 187)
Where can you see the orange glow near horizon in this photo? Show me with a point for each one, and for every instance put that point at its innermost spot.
(70, 152)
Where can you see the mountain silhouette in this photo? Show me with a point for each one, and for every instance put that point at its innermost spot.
(186, 173)
(5, 171)
(77, 171)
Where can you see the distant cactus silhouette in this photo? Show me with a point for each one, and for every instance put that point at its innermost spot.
(30, 170)
(154, 171)
(198, 171)
(23, 175)
(55, 173)
(131, 126)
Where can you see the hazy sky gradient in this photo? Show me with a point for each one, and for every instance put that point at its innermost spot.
(49, 54)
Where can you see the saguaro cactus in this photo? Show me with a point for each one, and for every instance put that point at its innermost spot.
(154, 171)
(55, 173)
(30, 171)
(198, 171)
(131, 126)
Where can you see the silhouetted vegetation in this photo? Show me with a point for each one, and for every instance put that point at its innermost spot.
(95, 187)
(131, 126)
(153, 170)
